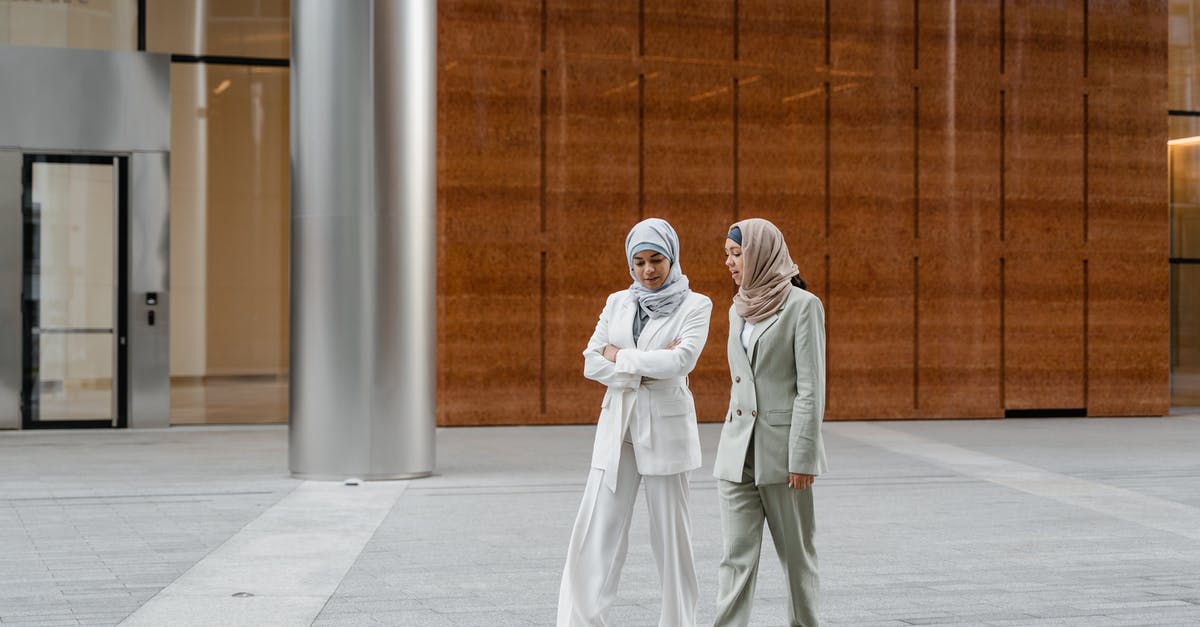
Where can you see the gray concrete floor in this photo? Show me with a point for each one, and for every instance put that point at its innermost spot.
(1014, 522)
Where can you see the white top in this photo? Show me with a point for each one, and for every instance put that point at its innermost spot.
(747, 333)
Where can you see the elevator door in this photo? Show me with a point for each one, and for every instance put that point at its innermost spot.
(73, 306)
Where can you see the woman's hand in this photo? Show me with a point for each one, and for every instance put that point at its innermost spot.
(610, 353)
(675, 342)
(798, 481)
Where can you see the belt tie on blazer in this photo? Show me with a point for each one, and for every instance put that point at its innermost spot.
(644, 425)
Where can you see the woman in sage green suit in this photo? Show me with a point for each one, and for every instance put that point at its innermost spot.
(770, 450)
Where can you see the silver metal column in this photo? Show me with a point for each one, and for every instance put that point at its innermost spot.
(364, 238)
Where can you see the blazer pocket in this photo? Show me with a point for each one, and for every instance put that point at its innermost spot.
(779, 417)
(673, 408)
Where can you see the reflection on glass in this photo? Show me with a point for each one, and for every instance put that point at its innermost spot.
(1185, 334)
(95, 24)
(73, 282)
(1184, 161)
(239, 28)
(76, 380)
(229, 243)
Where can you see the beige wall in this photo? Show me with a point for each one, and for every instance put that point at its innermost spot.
(101, 24)
(230, 207)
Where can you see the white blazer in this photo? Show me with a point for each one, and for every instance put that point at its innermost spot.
(647, 386)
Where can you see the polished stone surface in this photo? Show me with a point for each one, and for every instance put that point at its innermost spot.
(1014, 522)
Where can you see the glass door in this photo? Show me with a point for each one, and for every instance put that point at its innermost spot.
(73, 298)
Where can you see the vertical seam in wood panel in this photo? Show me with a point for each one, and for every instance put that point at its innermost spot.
(542, 158)
(828, 306)
(1003, 365)
(1003, 36)
(1086, 217)
(1003, 157)
(1085, 335)
(641, 28)
(736, 183)
(542, 327)
(737, 27)
(916, 183)
(641, 190)
(542, 211)
(828, 34)
(916, 357)
(828, 153)
(543, 34)
(916, 34)
(826, 290)
(1085, 38)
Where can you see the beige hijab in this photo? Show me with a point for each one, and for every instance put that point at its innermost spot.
(767, 270)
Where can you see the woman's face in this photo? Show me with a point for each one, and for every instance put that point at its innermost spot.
(651, 268)
(733, 260)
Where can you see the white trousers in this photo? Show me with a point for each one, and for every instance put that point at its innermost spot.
(600, 540)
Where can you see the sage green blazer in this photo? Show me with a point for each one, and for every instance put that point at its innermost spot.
(777, 395)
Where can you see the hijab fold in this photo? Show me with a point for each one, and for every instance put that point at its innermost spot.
(656, 234)
(767, 270)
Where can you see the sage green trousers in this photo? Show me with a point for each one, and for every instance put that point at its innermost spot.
(789, 515)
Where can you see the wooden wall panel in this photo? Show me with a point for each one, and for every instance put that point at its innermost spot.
(781, 155)
(871, 39)
(689, 30)
(959, 41)
(782, 33)
(869, 325)
(1043, 40)
(958, 335)
(593, 28)
(1043, 188)
(591, 202)
(489, 248)
(871, 123)
(958, 167)
(908, 150)
(688, 172)
(1127, 162)
(488, 28)
(1043, 332)
(1128, 335)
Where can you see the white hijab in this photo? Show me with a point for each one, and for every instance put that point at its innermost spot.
(657, 234)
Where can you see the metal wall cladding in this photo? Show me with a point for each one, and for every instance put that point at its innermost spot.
(10, 289)
(57, 99)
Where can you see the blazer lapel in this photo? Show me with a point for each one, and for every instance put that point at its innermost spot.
(735, 340)
(620, 329)
(652, 327)
(759, 329)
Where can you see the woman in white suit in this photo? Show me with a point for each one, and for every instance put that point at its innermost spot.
(646, 342)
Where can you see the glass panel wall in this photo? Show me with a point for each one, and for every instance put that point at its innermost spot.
(97, 24)
(1184, 159)
(229, 209)
(1183, 86)
(237, 28)
(229, 235)
(72, 280)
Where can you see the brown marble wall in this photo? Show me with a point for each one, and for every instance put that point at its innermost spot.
(974, 189)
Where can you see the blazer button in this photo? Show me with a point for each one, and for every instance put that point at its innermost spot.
(754, 413)
(739, 412)
(737, 379)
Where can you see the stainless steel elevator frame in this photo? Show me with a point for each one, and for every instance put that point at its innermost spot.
(92, 102)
